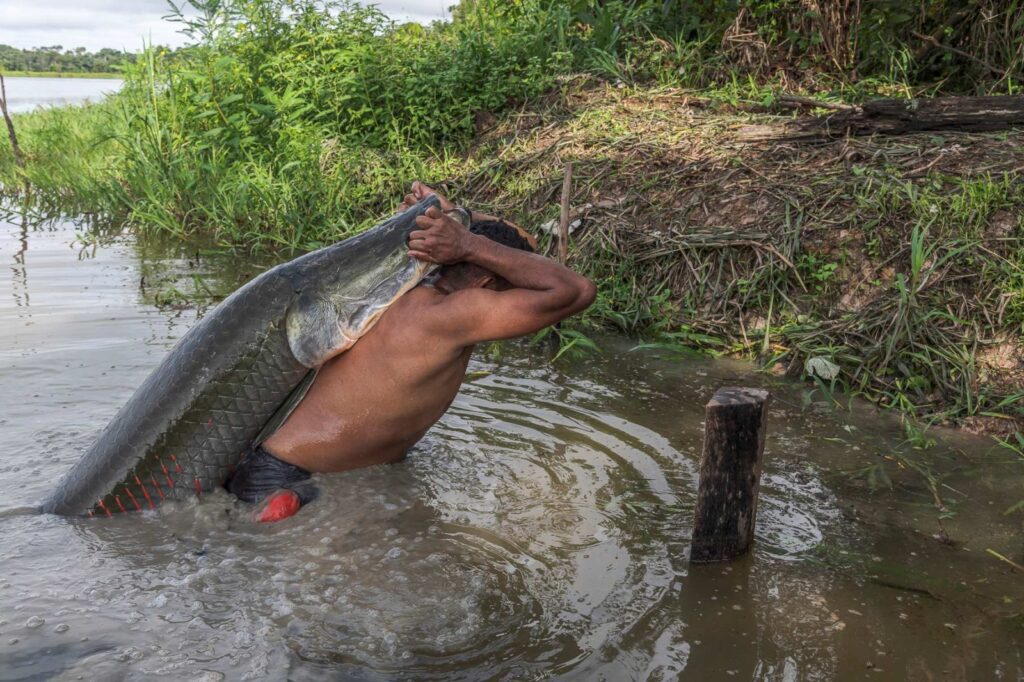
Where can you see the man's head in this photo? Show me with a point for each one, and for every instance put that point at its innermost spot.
(468, 275)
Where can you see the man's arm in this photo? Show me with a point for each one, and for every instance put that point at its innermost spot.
(543, 292)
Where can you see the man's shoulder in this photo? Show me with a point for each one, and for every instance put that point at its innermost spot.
(419, 320)
(415, 308)
(432, 312)
(417, 298)
(429, 301)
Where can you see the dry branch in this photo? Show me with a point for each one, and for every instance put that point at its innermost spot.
(18, 158)
(563, 222)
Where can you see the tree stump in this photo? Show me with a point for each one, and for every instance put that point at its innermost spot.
(730, 474)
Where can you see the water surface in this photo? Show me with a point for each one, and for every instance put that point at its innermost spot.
(539, 530)
(27, 93)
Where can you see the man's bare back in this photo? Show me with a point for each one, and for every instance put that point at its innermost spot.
(372, 403)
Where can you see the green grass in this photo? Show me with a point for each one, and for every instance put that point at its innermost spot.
(903, 281)
(951, 291)
(294, 123)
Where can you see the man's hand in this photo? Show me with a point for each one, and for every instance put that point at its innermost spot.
(439, 239)
(420, 192)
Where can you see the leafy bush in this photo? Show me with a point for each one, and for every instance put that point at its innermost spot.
(298, 121)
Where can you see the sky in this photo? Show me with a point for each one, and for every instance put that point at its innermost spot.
(125, 24)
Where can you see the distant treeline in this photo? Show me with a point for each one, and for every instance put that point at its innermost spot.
(55, 59)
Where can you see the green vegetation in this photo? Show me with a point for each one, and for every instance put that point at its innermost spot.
(889, 267)
(886, 267)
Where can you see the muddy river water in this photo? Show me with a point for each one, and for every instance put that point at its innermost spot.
(539, 530)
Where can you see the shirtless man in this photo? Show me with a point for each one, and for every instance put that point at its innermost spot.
(373, 402)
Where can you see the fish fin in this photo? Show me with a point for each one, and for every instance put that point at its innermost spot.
(314, 332)
(282, 413)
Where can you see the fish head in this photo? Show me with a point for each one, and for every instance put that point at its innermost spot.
(342, 290)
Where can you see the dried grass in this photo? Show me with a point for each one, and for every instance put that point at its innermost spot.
(785, 251)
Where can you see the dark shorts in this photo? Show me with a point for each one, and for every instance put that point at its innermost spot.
(260, 473)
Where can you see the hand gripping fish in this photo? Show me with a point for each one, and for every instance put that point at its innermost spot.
(234, 377)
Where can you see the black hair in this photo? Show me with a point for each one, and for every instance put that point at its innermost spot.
(501, 232)
(495, 230)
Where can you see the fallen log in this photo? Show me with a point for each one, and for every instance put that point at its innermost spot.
(898, 117)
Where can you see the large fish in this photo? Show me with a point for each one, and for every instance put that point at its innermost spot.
(236, 375)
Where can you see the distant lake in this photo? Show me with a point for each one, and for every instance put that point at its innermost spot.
(25, 94)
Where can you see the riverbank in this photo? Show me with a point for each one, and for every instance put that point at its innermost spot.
(889, 267)
(60, 74)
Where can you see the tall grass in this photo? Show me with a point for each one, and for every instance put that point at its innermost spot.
(293, 123)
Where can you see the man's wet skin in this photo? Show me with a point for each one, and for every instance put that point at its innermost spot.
(372, 403)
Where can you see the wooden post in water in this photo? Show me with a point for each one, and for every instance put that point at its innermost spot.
(730, 474)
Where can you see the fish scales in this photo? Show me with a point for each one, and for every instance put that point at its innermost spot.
(188, 425)
(218, 427)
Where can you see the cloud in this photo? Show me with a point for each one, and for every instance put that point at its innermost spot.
(125, 24)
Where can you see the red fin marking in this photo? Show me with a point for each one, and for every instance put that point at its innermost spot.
(104, 508)
(145, 492)
(134, 501)
(199, 488)
(118, 498)
(91, 515)
(156, 485)
(170, 481)
(177, 467)
(279, 506)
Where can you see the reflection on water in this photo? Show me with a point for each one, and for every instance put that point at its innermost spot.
(26, 93)
(538, 531)
(20, 283)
